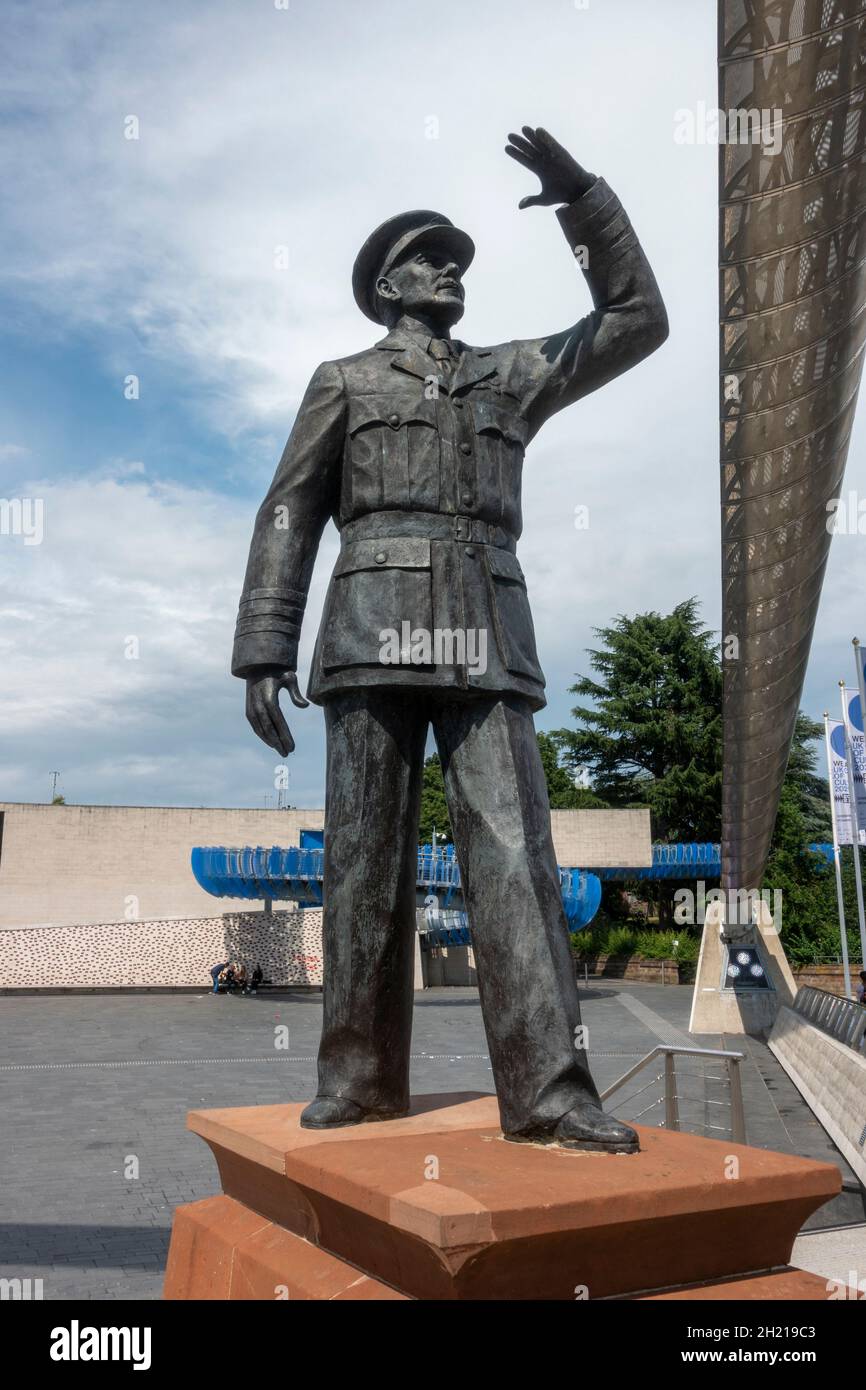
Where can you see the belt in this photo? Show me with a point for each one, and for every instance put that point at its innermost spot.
(432, 525)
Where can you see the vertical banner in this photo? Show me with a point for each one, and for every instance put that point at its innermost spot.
(860, 660)
(837, 772)
(857, 744)
(837, 765)
(852, 717)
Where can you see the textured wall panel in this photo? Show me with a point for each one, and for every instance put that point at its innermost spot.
(178, 952)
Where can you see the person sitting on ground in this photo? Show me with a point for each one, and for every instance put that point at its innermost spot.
(861, 988)
(240, 973)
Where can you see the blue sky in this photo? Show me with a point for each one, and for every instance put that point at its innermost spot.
(305, 128)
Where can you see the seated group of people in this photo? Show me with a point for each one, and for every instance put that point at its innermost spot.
(231, 977)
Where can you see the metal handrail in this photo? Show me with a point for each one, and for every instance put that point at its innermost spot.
(843, 1019)
(732, 1062)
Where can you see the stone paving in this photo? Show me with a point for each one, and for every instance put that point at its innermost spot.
(94, 1153)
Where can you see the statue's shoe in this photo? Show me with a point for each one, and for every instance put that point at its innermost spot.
(333, 1112)
(585, 1127)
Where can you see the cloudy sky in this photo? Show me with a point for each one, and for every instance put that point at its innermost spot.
(303, 127)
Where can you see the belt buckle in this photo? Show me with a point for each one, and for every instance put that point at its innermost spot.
(462, 528)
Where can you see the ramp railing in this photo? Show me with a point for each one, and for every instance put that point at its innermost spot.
(843, 1019)
(719, 1102)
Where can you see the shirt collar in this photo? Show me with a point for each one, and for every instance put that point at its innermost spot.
(403, 338)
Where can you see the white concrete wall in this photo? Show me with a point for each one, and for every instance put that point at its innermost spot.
(166, 954)
(77, 865)
(448, 965)
(602, 839)
(830, 1077)
(71, 865)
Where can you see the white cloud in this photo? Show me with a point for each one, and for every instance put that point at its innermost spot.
(305, 128)
(12, 453)
(261, 128)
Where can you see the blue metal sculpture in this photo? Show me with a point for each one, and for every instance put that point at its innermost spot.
(295, 874)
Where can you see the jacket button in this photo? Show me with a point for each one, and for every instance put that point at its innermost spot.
(466, 448)
(380, 558)
(466, 499)
(470, 552)
(393, 419)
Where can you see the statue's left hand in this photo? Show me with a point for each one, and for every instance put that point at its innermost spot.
(562, 178)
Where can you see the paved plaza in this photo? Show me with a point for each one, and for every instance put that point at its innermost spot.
(94, 1153)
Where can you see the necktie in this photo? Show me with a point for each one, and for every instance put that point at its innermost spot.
(443, 351)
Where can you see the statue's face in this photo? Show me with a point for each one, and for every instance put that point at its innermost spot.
(427, 282)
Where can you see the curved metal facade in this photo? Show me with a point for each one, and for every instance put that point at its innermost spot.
(793, 329)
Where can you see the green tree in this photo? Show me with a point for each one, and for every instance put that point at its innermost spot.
(810, 914)
(653, 734)
(812, 791)
(434, 807)
(654, 738)
(562, 793)
(805, 881)
(561, 790)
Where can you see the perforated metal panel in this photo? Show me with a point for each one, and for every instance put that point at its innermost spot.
(793, 329)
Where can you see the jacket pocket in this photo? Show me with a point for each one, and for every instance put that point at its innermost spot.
(393, 449)
(500, 440)
(377, 585)
(515, 633)
(492, 418)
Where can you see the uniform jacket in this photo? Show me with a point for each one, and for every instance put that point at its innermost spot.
(420, 470)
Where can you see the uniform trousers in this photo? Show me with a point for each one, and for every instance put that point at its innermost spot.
(500, 817)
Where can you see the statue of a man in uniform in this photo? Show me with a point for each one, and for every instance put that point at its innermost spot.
(415, 448)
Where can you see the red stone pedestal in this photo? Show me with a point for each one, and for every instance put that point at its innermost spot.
(440, 1206)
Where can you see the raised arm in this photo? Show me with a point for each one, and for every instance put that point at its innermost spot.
(628, 320)
(288, 528)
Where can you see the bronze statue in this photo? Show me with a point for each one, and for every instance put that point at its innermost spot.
(415, 447)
